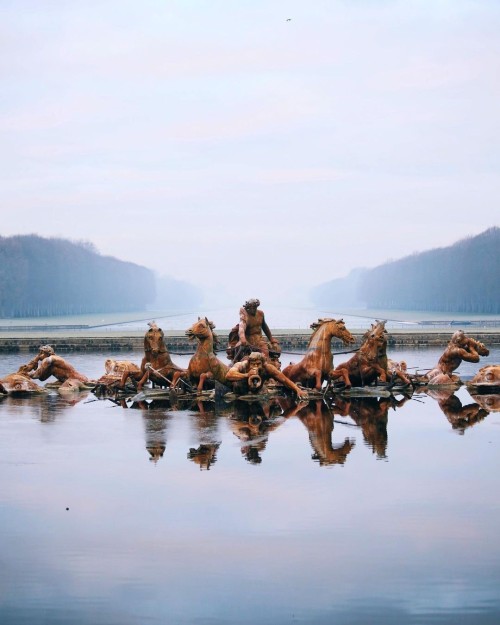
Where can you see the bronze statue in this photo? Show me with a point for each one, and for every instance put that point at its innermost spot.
(367, 365)
(44, 351)
(66, 374)
(156, 364)
(460, 347)
(250, 375)
(317, 364)
(204, 364)
(487, 377)
(115, 369)
(247, 335)
(21, 382)
(370, 362)
(14, 383)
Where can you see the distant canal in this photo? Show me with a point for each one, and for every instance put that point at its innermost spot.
(369, 511)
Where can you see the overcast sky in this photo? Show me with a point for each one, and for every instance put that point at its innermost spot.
(256, 147)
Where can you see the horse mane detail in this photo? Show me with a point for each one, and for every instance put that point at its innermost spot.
(317, 324)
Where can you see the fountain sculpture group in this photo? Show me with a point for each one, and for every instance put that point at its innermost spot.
(254, 368)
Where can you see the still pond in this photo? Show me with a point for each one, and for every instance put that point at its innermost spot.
(369, 511)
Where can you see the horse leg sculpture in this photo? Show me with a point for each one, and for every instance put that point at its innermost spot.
(340, 373)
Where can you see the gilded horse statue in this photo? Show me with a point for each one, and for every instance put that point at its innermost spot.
(204, 364)
(317, 364)
(156, 365)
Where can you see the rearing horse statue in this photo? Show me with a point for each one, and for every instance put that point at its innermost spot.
(317, 364)
(204, 364)
(369, 362)
(156, 364)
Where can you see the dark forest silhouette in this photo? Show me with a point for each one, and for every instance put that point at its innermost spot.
(45, 277)
(461, 278)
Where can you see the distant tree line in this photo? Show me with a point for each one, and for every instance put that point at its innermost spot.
(44, 277)
(462, 278)
(172, 294)
(341, 291)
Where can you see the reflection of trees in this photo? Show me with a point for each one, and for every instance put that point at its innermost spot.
(371, 415)
(461, 417)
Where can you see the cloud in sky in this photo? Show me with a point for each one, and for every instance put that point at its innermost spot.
(221, 144)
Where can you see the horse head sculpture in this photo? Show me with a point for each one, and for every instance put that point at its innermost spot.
(154, 340)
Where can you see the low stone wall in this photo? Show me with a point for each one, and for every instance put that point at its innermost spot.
(179, 344)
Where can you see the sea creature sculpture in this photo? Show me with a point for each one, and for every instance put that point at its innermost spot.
(487, 377)
(18, 383)
(317, 364)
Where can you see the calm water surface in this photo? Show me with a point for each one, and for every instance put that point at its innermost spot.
(369, 512)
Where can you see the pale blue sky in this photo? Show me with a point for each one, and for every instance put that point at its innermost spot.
(207, 138)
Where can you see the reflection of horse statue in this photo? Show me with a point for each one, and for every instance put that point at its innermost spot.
(370, 361)
(205, 455)
(318, 420)
(204, 364)
(156, 364)
(371, 415)
(317, 364)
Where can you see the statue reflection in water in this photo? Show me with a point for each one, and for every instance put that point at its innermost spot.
(251, 423)
(461, 417)
(318, 418)
(46, 407)
(205, 425)
(155, 429)
(371, 414)
(155, 416)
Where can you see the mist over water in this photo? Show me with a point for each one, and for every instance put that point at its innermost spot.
(277, 317)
